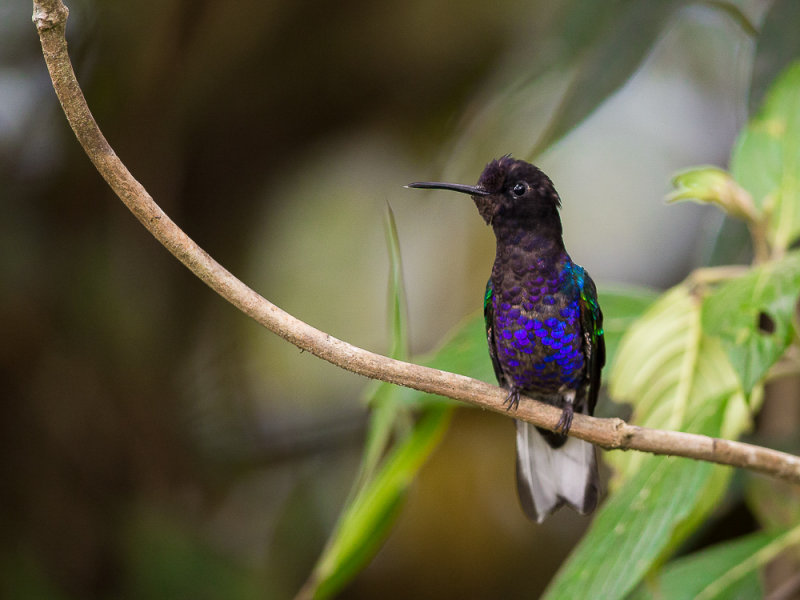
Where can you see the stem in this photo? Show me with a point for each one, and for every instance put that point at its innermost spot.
(50, 18)
(758, 234)
(701, 278)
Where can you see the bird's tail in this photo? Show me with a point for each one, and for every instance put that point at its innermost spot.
(548, 477)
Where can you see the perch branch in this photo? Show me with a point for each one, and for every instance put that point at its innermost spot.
(50, 17)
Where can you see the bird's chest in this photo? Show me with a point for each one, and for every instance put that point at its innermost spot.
(537, 330)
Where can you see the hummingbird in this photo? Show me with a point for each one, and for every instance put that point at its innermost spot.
(544, 328)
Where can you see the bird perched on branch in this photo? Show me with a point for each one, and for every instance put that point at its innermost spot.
(544, 328)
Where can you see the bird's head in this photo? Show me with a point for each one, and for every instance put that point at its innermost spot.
(510, 193)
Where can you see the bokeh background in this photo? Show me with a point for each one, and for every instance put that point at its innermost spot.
(156, 443)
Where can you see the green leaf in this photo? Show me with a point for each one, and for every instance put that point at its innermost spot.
(387, 415)
(367, 519)
(712, 185)
(753, 317)
(637, 524)
(749, 586)
(669, 371)
(609, 63)
(766, 159)
(727, 570)
(398, 305)
(386, 411)
(778, 44)
(383, 480)
(621, 306)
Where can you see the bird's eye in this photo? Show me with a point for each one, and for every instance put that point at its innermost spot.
(519, 189)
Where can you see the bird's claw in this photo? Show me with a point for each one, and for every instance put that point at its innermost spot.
(565, 422)
(512, 400)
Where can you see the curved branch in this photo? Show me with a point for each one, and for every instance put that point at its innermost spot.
(50, 18)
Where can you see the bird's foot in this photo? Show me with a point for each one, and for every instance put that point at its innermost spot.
(565, 422)
(512, 400)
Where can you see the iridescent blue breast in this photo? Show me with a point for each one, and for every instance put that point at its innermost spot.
(537, 325)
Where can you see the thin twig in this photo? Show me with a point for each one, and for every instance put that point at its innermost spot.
(50, 17)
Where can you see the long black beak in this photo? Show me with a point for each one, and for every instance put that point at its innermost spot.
(453, 187)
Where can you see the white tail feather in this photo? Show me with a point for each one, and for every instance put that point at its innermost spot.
(549, 477)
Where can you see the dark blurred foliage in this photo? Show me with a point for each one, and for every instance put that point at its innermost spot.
(142, 457)
(107, 492)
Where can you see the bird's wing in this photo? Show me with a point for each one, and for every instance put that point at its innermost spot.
(592, 324)
(488, 316)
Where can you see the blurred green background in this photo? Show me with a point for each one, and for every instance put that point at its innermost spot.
(156, 443)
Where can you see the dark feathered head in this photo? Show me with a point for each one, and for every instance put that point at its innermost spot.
(510, 193)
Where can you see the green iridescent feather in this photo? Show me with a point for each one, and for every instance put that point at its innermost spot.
(488, 317)
(595, 347)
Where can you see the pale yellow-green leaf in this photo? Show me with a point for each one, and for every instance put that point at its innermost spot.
(713, 185)
(668, 370)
